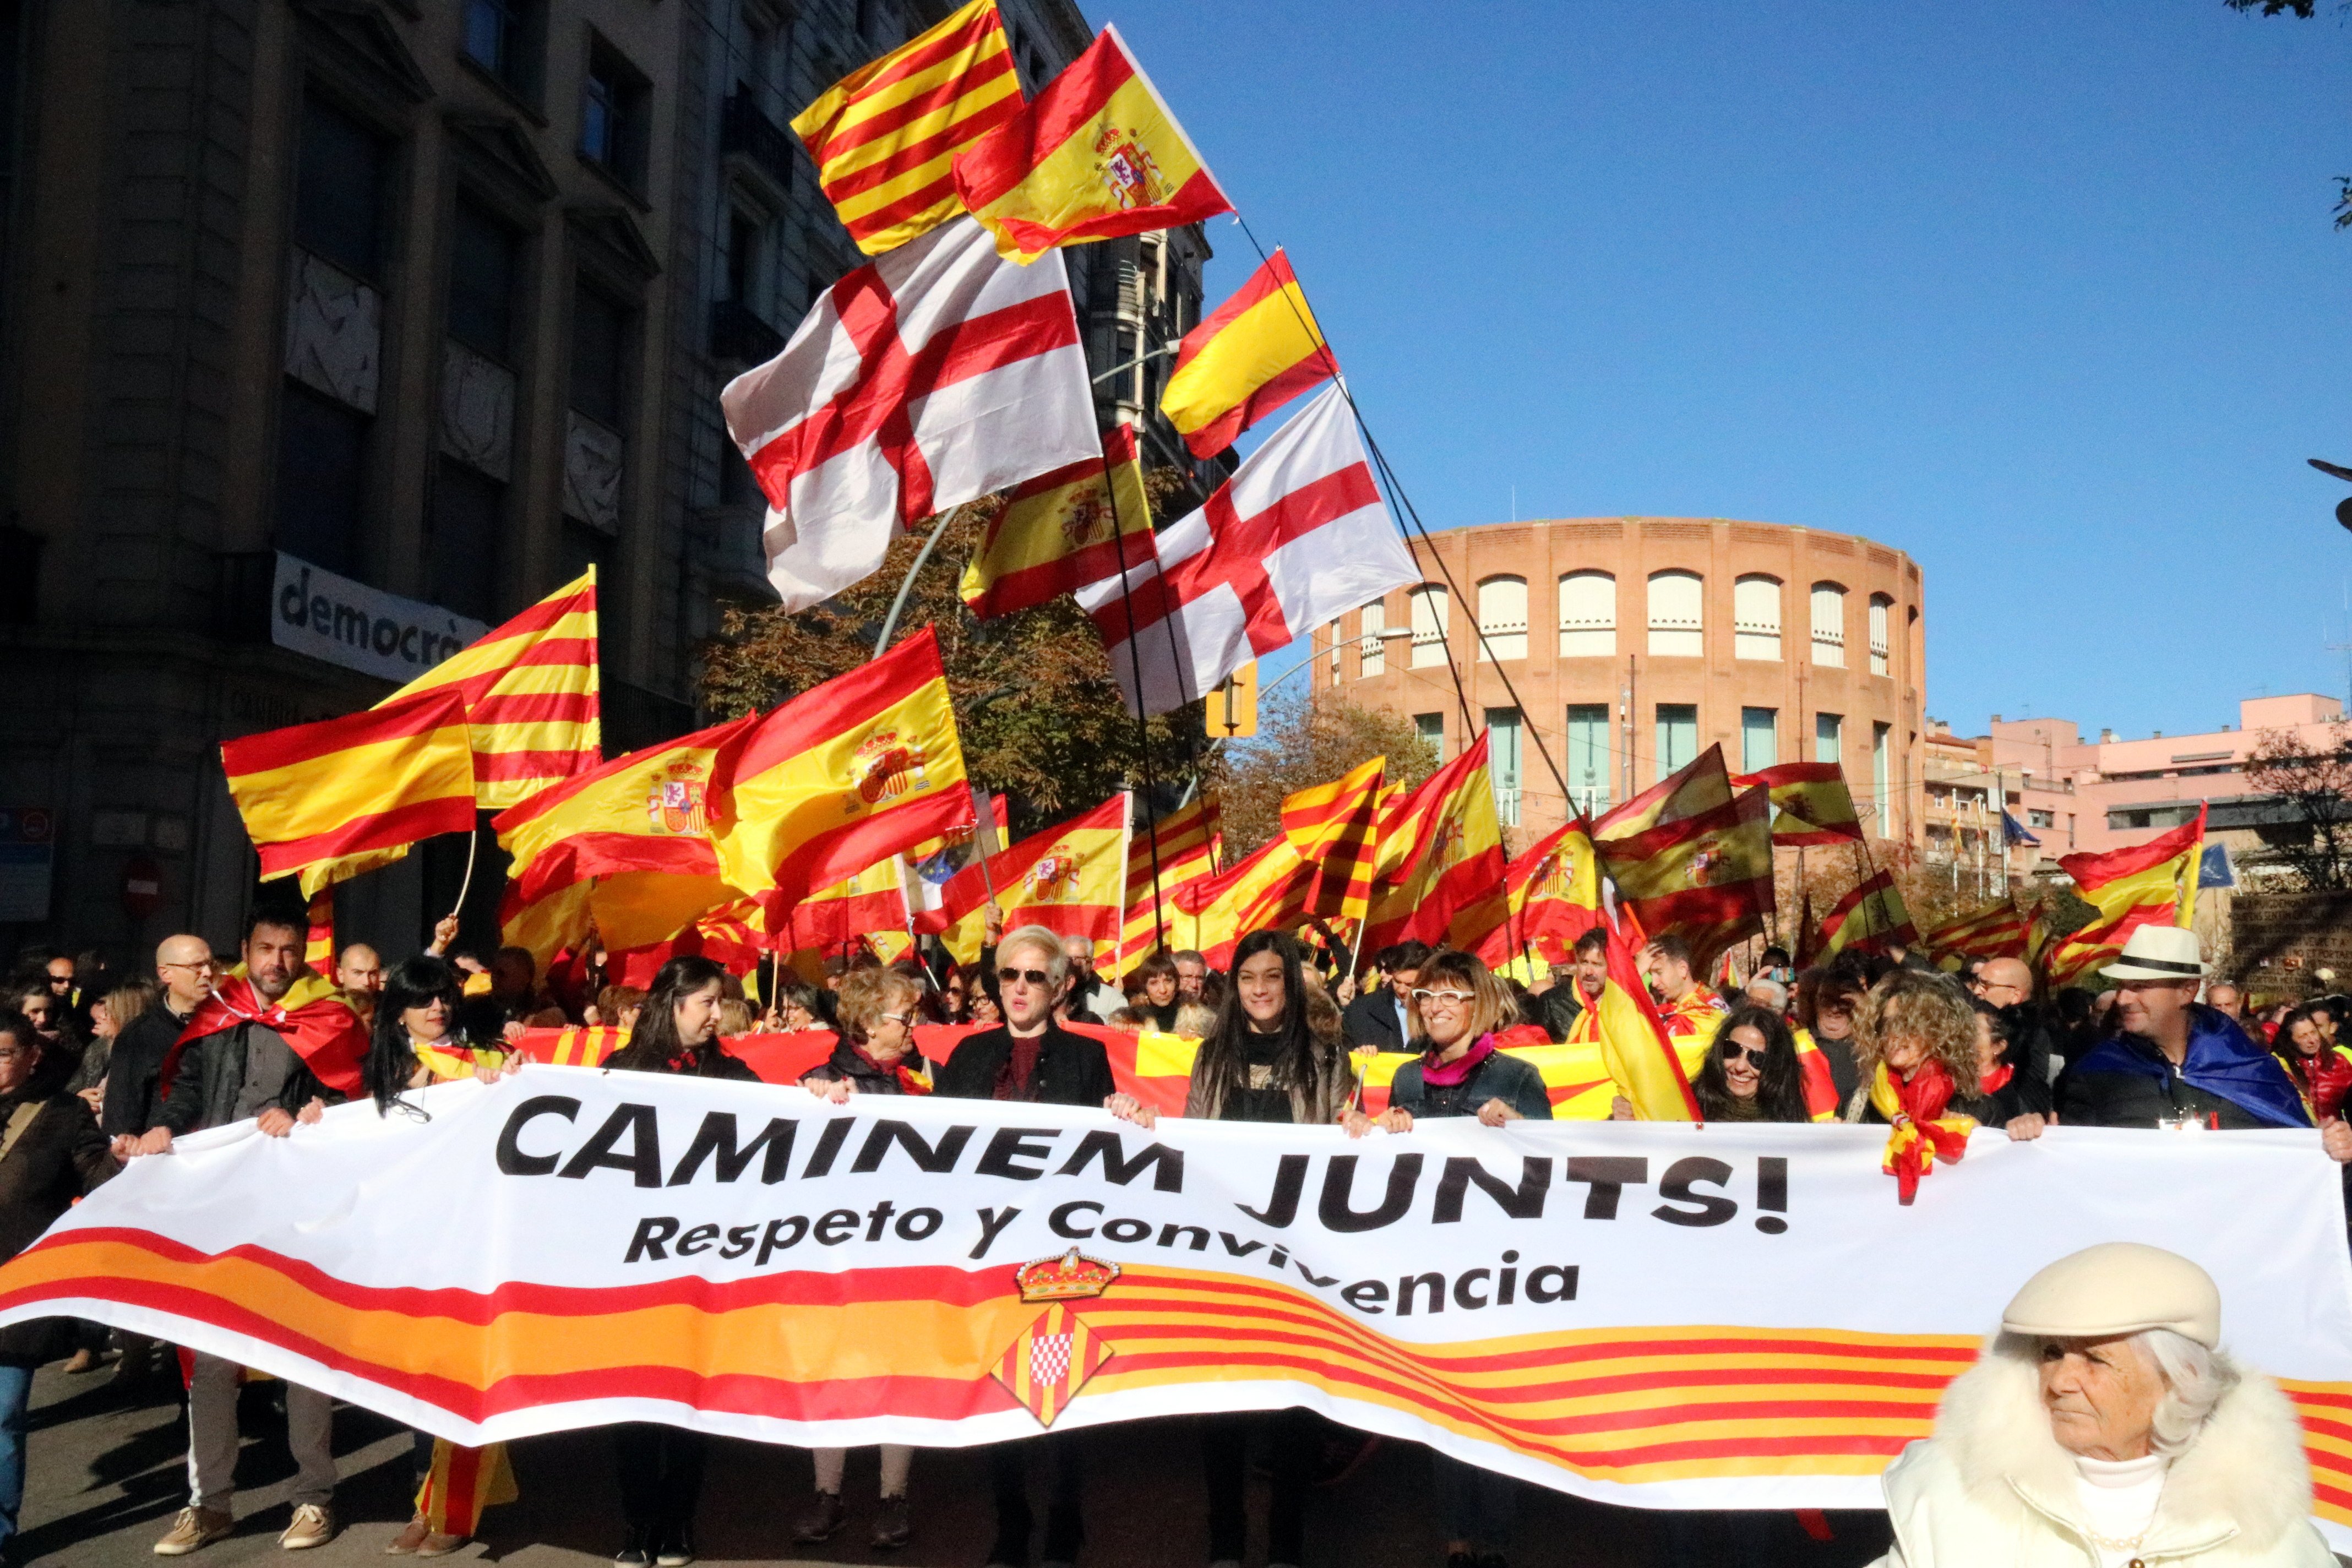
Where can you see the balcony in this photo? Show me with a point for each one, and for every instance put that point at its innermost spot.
(737, 333)
(746, 134)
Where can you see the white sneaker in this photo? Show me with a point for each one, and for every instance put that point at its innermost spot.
(313, 1526)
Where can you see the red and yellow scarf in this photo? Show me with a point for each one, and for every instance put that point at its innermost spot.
(1921, 1132)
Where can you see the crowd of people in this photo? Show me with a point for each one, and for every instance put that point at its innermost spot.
(97, 1069)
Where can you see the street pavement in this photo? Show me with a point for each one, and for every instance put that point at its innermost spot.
(107, 1472)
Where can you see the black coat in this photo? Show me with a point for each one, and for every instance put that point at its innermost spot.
(132, 1072)
(864, 1077)
(210, 1076)
(61, 1156)
(1371, 1020)
(1557, 1010)
(1072, 1069)
(1515, 1082)
(2023, 1095)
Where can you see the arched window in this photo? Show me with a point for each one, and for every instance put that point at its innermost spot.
(1372, 653)
(1756, 617)
(1502, 618)
(1677, 626)
(1588, 616)
(1829, 624)
(1881, 609)
(1428, 625)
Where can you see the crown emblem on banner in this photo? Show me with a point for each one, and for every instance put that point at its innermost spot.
(1069, 1277)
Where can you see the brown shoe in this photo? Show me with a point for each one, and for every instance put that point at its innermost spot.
(195, 1528)
(81, 1360)
(440, 1545)
(314, 1525)
(410, 1539)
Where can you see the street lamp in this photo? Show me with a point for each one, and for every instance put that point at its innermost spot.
(2336, 470)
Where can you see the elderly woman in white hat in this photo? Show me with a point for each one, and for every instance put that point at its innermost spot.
(2104, 1428)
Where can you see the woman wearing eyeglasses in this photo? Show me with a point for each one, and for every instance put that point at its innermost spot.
(1265, 1061)
(1457, 1008)
(1750, 1073)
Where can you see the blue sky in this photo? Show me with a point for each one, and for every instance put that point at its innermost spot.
(2045, 294)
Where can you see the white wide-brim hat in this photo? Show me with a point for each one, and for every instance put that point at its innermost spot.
(2117, 1288)
(2159, 952)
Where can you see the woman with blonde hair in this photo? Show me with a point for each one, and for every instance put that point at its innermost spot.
(1914, 1046)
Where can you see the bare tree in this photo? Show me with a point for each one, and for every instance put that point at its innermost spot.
(2313, 786)
(1308, 738)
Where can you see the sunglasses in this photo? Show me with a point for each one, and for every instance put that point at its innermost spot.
(1451, 998)
(1728, 1052)
(1034, 976)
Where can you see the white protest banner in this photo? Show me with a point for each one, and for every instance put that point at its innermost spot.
(1646, 1313)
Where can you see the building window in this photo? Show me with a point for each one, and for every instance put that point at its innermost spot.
(1588, 769)
(485, 261)
(1756, 618)
(1881, 609)
(1428, 626)
(612, 101)
(338, 190)
(1677, 623)
(500, 38)
(1503, 755)
(1588, 616)
(1677, 736)
(1829, 738)
(600, 341)
(2040, 819)
(1880, 774)
(1760, 739)
(1372, 653)
(1501, 620)
(462, 541)
(1829, 624)
(321, 479)
(744, 234)
(1432, 729)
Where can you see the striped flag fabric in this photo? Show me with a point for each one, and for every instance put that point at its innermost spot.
(1642, 1059)
(862, 767)
(1190, 846)
(1335, 828)
(1691, 857)
(1554, 894)
(1447, 890)
(1247, 358)
(1217, 912)
(315, 793)
(1869, 919)
(1997, 931)
(1811, 805)
(1062, 530)
(1296, 538)
(2153, 883)
(933, 376)
(531, 696)
(884, 137)
(1095, 156)
(832, 917)
(1068, 878)
(319, 940)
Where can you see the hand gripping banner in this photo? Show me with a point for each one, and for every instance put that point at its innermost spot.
(1648, 1313)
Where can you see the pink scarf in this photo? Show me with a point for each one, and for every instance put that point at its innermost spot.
(1453, 1072)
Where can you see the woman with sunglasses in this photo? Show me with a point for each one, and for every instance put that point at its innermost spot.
(1750, 1073)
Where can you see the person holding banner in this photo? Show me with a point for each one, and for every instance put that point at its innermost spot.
(661, 1467)
(2104, 1425)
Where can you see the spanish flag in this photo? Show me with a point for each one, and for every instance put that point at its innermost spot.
(1068, 879)
(1097, 155)
(1221, 910)
(884, 137)
(1255, 353)
(318, 793)
(1869, 918)
(843, 775)
(1062, 530)
(866, 904)
(1554, 890)
(1691, 858)
(1811, 803)
(2153, 883)
(1634, 1046)
(627, 845)
(314, 1017)
(319, 941)
(1447, 885)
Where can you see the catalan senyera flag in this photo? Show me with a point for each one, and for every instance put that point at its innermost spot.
(843, 775)
(1062, 530)
(1998, 931)
(1447, 888)
(1868, 919)
(1554, 890)
(1184, 846)
(1095, 156)
(1254, 353)
(315, 793)
(1691, 858)
(2153, 883)
(1335, 828)
(1642, 1060)
(627, 845)
(1218, 912)
(1811, 803)
(1069, 879)
(885, 136)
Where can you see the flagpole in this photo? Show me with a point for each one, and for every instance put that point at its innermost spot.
(473, 844)
(907, 588)
(1135, 669)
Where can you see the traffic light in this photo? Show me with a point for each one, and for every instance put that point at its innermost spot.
(1230, 711)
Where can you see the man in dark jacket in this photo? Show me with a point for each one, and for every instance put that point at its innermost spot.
(51, 1152)
(1568, 997)
(1377, 1018)
(185, 968)
(1030, 1057)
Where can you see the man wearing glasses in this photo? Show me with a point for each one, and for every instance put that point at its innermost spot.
(2008, 982)
(1031, 1057)
(185, 968)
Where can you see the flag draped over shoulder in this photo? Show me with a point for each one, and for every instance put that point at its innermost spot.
(325, 1030)
(845, 774)
(1254, 353)
(1062, 530)
(313, 794)
(1554, 893)
(931, 377)
(1869, 918)
(2153, 883)
(1447, 887)
(1068, 879)
(1691, 858)
(1811, 805)
(1097, 155)
(1297, 537)
(627, 845)
(884, 137)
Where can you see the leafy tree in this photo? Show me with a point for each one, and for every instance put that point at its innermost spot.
(1303, 740)
(2314, 786)
(2305, 10)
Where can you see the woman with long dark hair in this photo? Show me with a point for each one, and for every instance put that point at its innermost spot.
(1750, 1073)
(2320, 1072)
(661, 1467)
